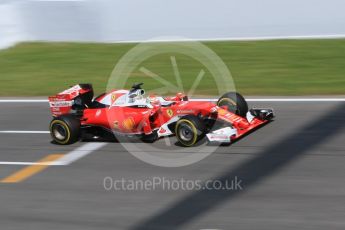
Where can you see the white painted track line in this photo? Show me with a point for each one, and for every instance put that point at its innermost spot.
(296, 99)
(26, 163)
(22, 101)
(67, 159)
(79, 152)
(23, 132)
(284, 99)
(292, 99)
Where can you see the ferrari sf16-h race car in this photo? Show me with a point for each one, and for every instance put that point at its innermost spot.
(128, 113)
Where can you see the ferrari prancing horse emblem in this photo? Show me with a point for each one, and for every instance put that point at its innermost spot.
(170, 112)
(113, 97)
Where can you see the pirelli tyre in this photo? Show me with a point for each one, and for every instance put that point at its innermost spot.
(189, 130)
(234, 102)
(65, 130)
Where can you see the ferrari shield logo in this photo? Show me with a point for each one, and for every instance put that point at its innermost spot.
(113, 97)
(170, 112)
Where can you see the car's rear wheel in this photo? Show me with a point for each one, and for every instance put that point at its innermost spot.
(65, 130)
(189, 130)
(234, 102)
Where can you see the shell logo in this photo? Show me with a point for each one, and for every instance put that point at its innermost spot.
(128, 123)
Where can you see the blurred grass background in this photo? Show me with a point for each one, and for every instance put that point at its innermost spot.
(281, 67)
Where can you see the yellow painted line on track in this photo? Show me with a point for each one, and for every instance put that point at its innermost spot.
(31, 170)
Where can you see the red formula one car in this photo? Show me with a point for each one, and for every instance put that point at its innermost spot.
(128, 113)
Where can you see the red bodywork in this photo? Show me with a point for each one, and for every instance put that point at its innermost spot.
(144, 120)
(62, 103)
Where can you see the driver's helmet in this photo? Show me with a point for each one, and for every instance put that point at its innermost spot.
(136, 95)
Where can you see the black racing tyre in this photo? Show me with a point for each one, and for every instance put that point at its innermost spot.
(189, 130)
(65, 129)
(234, 102)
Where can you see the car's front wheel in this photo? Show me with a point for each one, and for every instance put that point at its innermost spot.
(65, 130)
(189, 130)
(234, 102)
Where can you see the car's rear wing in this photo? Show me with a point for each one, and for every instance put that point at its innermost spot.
(71, 100)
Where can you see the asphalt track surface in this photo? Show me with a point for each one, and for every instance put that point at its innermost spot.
(292, 172)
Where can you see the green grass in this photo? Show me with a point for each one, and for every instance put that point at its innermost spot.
(282, 67)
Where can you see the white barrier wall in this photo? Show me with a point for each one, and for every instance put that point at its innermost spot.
(126, 20)
(11, 30)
